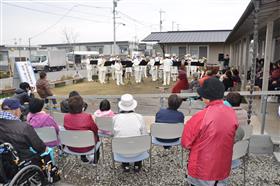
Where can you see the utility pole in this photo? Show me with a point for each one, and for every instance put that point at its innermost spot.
(114, 25)
(173, 22)
(178, 27)
(29, 47)
(160, 19)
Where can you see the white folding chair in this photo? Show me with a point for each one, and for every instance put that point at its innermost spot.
(240, 150)
(104, 124)
(47, 134)
(167, 131)
(78, 139)
(58, 117)
(130, 149)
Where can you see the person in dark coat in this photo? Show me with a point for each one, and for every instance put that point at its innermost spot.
(170, 115)
(24, 94)
(64, 105)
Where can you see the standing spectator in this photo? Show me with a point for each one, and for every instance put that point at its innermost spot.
(170, 115)
(227, 80)
(44, 90)
(64, 105)
(38, 118)
(76, 119)
(226, 62)
(181, 84)
(209, 138)
(128, 123)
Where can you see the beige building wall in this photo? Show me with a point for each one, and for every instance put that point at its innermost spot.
(215, 50)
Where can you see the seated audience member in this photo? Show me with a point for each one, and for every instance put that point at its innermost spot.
(64, 106)
(182, 83)
(24, 94)
(209, 138)
(76, 119)
(227, 80)
(209, 74)
(104, 111)
(170, 115)
(44, 90)
(236, 79)
(19, 134)
(274, 82)
(128, 123)
(194, 85)
(233, 99)
(38, 118)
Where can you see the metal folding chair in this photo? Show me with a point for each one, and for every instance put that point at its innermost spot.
(78, 139)
(240, 150)
(167, 131)
(105, 129)
(131, 149)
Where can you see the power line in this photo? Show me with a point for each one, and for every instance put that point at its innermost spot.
(82, 12)
(60, 19)
(51, 13)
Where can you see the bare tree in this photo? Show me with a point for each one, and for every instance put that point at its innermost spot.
(71, 37)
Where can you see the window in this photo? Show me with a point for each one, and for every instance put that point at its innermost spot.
(202, 52)
(198, 52)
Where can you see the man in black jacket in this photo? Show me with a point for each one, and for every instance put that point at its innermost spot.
(21, 135)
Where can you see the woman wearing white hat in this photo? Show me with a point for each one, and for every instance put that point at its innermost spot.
(167, 63)
(128, 123)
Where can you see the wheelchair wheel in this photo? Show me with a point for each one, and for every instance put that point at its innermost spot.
(30, 175)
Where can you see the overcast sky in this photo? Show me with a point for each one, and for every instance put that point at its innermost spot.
(46, 21)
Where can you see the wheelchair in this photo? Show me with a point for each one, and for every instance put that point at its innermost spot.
(34, 172)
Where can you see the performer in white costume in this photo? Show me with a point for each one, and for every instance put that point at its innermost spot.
(137, 70)
(143, 68)
(101, 69)
(153, 68)
(167, 63)
(128, 70)
(89, 69)
(118, 72)
(112, 67)
(158, 60)
(174, 69)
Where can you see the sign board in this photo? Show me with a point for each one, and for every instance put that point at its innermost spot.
(24, 72)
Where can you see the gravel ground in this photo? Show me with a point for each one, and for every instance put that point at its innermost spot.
(166, 170)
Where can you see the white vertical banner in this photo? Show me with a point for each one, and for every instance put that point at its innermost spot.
(26, 73)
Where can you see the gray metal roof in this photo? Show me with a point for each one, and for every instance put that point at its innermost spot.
(199, 36)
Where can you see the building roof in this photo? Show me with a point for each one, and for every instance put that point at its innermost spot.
(86, 43)
(195, 36)
(268, 9)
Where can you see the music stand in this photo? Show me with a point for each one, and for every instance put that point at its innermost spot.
(176, 63)
(143, 63)
(93, 62)
(107, 64)
(157, 63)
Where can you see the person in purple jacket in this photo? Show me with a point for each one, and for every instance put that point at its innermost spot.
(38, 118)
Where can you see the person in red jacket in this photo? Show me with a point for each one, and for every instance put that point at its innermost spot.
(210, 137)
(182, 83)
(79, 120)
